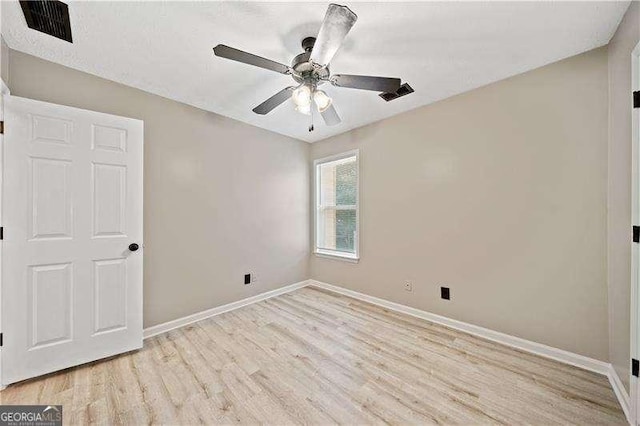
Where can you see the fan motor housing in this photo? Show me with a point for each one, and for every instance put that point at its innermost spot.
(308, 72)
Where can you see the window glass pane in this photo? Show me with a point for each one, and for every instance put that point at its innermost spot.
(337, 230)
(327, 229)
(338, 182)
(346, 184)
(336, 212)
(327, 184)
(346, 230)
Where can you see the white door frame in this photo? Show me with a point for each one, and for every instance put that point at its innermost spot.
(4, 90)
(635, 257)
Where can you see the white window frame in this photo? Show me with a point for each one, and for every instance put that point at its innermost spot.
(350, 257)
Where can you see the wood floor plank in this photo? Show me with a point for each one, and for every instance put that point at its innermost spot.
(316, 357)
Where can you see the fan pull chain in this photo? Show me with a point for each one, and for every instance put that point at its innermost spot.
(311, 115)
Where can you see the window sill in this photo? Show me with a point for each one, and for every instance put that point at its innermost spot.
(335, 256)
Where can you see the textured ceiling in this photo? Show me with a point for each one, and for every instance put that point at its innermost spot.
(440, 48)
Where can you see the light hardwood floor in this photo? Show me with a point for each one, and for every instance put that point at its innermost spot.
(315, 357)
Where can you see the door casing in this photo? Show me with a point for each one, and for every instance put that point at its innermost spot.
(4, 90)
(634, 392)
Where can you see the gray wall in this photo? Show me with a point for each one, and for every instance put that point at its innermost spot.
(4, 61)
(500, 194)
(4, 55)
(488, 192)
(222, 198)
(619, 190)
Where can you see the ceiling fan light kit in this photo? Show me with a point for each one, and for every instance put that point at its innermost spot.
(304, 109)
(310, 69)
(322, 100)
(302, 95)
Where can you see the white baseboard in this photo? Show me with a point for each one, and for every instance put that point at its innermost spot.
(540, 349)
(190, 319)
(495, 336)
(620, 391)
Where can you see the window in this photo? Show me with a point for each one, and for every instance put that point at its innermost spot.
(336, 206)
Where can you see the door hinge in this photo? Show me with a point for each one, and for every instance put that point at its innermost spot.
(635, 366)
(1, 127)
(636, 234)
(1, 339)
(1, 233)
(636, 99)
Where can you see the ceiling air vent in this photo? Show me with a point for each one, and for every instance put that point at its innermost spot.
(48, 16)
(403, 90)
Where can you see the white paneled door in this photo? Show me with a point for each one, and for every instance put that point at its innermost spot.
(72, 247)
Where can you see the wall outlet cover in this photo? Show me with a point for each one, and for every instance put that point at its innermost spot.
(445, 293)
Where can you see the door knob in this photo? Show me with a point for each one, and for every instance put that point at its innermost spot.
(133, 247)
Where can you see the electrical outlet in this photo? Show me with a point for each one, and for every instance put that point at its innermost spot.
(408, 286)
(445, 293)
(247, 279)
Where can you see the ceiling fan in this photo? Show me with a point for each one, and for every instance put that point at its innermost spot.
(310, 69)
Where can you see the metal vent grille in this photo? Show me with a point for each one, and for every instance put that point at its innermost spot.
(403, 90)
(48, 16)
